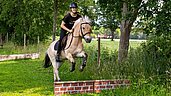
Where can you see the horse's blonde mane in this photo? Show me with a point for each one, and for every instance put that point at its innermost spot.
(82, 20)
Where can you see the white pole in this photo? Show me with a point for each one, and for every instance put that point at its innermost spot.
(24, 41)
(38, 41)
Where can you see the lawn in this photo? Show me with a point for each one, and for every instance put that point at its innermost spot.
(29, 78)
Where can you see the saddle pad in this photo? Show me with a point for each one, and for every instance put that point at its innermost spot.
(56, 45)
(63, 43)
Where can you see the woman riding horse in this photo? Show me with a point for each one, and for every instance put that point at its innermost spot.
(74, 47)
(67, 24)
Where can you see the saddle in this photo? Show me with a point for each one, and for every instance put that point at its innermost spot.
(63, 43)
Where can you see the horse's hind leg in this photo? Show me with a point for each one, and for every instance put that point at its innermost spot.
(56, 66)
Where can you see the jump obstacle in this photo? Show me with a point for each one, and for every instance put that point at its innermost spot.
(19, 56)
(90, 86)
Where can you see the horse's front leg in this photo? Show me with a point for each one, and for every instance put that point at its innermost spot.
(84, 60)
(71, 59)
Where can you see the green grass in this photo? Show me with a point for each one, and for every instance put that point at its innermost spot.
(28, 78)
(25, 77)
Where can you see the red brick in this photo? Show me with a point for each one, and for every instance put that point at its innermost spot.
(96, 87)
(58, 85)
(105, 82)
(102, 86)
(66, 84)
(57, 89)
(81, 83)
(84, 88)
(71, 88)
(63, 89)
(112, 82)
(109, 87)
(77, 88)
(89, 83)
(91, 87)
(74, 84)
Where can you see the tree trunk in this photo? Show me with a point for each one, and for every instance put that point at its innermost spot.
(54, 19)
(124, 40)
(125, 33)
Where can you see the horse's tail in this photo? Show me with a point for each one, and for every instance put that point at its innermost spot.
(46, 61)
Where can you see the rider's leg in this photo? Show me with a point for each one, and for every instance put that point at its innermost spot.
(62, 35)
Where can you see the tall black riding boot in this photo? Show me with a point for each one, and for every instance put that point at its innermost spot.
(58, 53)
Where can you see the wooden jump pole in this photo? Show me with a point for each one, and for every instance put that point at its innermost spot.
(98, 54)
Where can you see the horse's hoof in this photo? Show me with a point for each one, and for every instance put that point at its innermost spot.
(57, 80)
(72, 69)
(81, 68)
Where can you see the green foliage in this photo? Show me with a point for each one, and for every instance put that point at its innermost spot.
(163, 24)
(159, 48)
(26, 17)
(140, 88)
(34, 17)
(155, 17)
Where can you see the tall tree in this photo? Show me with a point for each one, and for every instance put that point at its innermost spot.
(54, 19)
(126, 11)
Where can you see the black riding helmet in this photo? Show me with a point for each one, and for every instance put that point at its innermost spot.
(73, 5)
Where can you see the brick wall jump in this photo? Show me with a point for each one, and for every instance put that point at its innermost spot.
(91, 86)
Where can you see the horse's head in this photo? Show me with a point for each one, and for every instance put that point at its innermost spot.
(86, 31)
(85, 28)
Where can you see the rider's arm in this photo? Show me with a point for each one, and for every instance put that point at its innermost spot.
(65, 28)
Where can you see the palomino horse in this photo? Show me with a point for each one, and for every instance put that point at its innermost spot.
(73, 48)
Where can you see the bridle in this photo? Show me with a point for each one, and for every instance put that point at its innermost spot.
(82, 30)
(79, 36)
